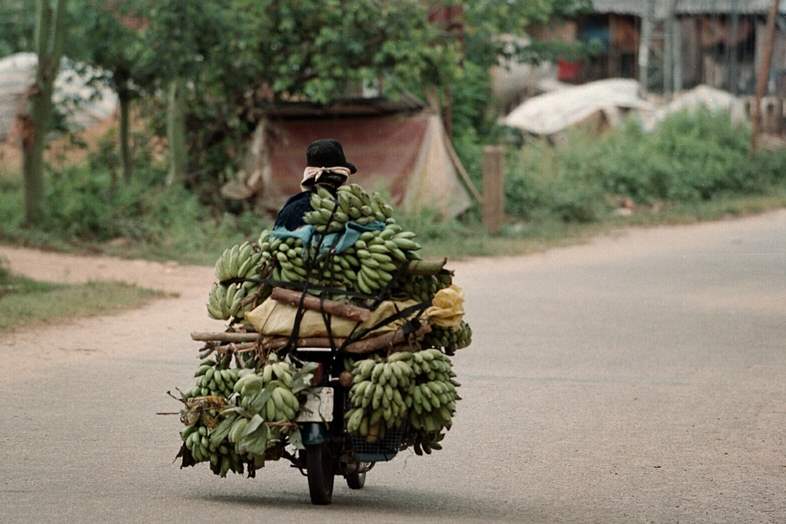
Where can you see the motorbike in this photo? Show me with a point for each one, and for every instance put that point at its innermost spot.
(329, 450)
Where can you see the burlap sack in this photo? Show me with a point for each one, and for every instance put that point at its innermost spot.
(275, 319)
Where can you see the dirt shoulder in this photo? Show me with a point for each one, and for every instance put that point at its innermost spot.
(74, 269)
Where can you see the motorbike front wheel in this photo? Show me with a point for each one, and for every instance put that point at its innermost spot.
(320, 468)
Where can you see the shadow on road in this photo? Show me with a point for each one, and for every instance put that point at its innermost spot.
(392, 501)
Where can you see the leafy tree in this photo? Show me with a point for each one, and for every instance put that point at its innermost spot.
(17, 26)
(49, 37)
(110, 40)
(239, 56)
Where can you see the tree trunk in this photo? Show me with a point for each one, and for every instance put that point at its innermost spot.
(176, 133)
(125, 139)
(49, 48)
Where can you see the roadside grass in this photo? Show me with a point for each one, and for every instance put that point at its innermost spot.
(202, 244)
(532, 237)
(26, 302)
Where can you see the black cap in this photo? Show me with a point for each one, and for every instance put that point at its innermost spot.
(327, 152)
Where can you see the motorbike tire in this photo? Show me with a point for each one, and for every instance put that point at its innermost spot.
(356, 480)
(320, 469)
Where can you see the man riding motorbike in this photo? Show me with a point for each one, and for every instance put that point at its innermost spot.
(327, 167)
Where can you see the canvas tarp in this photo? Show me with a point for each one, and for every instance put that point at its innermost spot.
(405, 156)
(699, 97)
(83, 104)
(556, 111)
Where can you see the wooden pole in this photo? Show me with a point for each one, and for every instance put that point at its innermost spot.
(493, 188)
(763, 75)
(312, 303)
(732, 49)
(224, 337)
(644, 47)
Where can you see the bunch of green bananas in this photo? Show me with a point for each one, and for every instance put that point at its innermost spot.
(252, 412)
(433, 395)
(380, 254)
(238, 275)
(423, 287)
(424, 442)
(449, 339)
(377, 395)
(238, 262)
(367, 266)
(330, 213)
(213, 378)
(232, 301)
(266, 402)
(210, 445)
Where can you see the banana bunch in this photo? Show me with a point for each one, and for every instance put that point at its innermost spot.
(362, 207)
(287, 257)
(238, 262)
(380, 254)
(377, 395)
(432, 398)
(449, 339)
(266, 402)
(330, 213)
(210, 445)
(213, 379)
(423, 442)
(269, 393)
(326, 214)
(232, 301)
(423, 287)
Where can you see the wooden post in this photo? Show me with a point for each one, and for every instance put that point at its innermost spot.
(763, 75)
(644, 47)
(732, 50)
(493, 188)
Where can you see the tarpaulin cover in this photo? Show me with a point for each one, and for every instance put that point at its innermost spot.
(558, 110)
(83, 103)
(403, 156)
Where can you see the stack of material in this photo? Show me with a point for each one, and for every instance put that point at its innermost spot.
(351, 280)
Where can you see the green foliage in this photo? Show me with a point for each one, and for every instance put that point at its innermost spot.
(17, 23)
(142, 217)
(690, 157)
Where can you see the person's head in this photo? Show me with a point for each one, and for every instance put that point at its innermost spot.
(326, 165)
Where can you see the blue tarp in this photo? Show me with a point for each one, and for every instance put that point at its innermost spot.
(340, 241)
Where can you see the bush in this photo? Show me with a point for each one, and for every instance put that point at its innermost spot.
(691, 157)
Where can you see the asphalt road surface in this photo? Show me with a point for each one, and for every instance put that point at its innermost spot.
(640, 378)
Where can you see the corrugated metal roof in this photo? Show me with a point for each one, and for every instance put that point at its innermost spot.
(684, 7)
(620, 7)
(726, 6)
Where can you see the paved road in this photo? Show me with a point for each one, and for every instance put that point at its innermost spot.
(635, 379)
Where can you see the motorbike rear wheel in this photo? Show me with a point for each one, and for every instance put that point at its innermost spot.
(320, 468)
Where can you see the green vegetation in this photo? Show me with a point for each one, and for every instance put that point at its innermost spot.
(690, 159)
(144, 218)
(555, 196)
(24, 301)
(178, 75)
